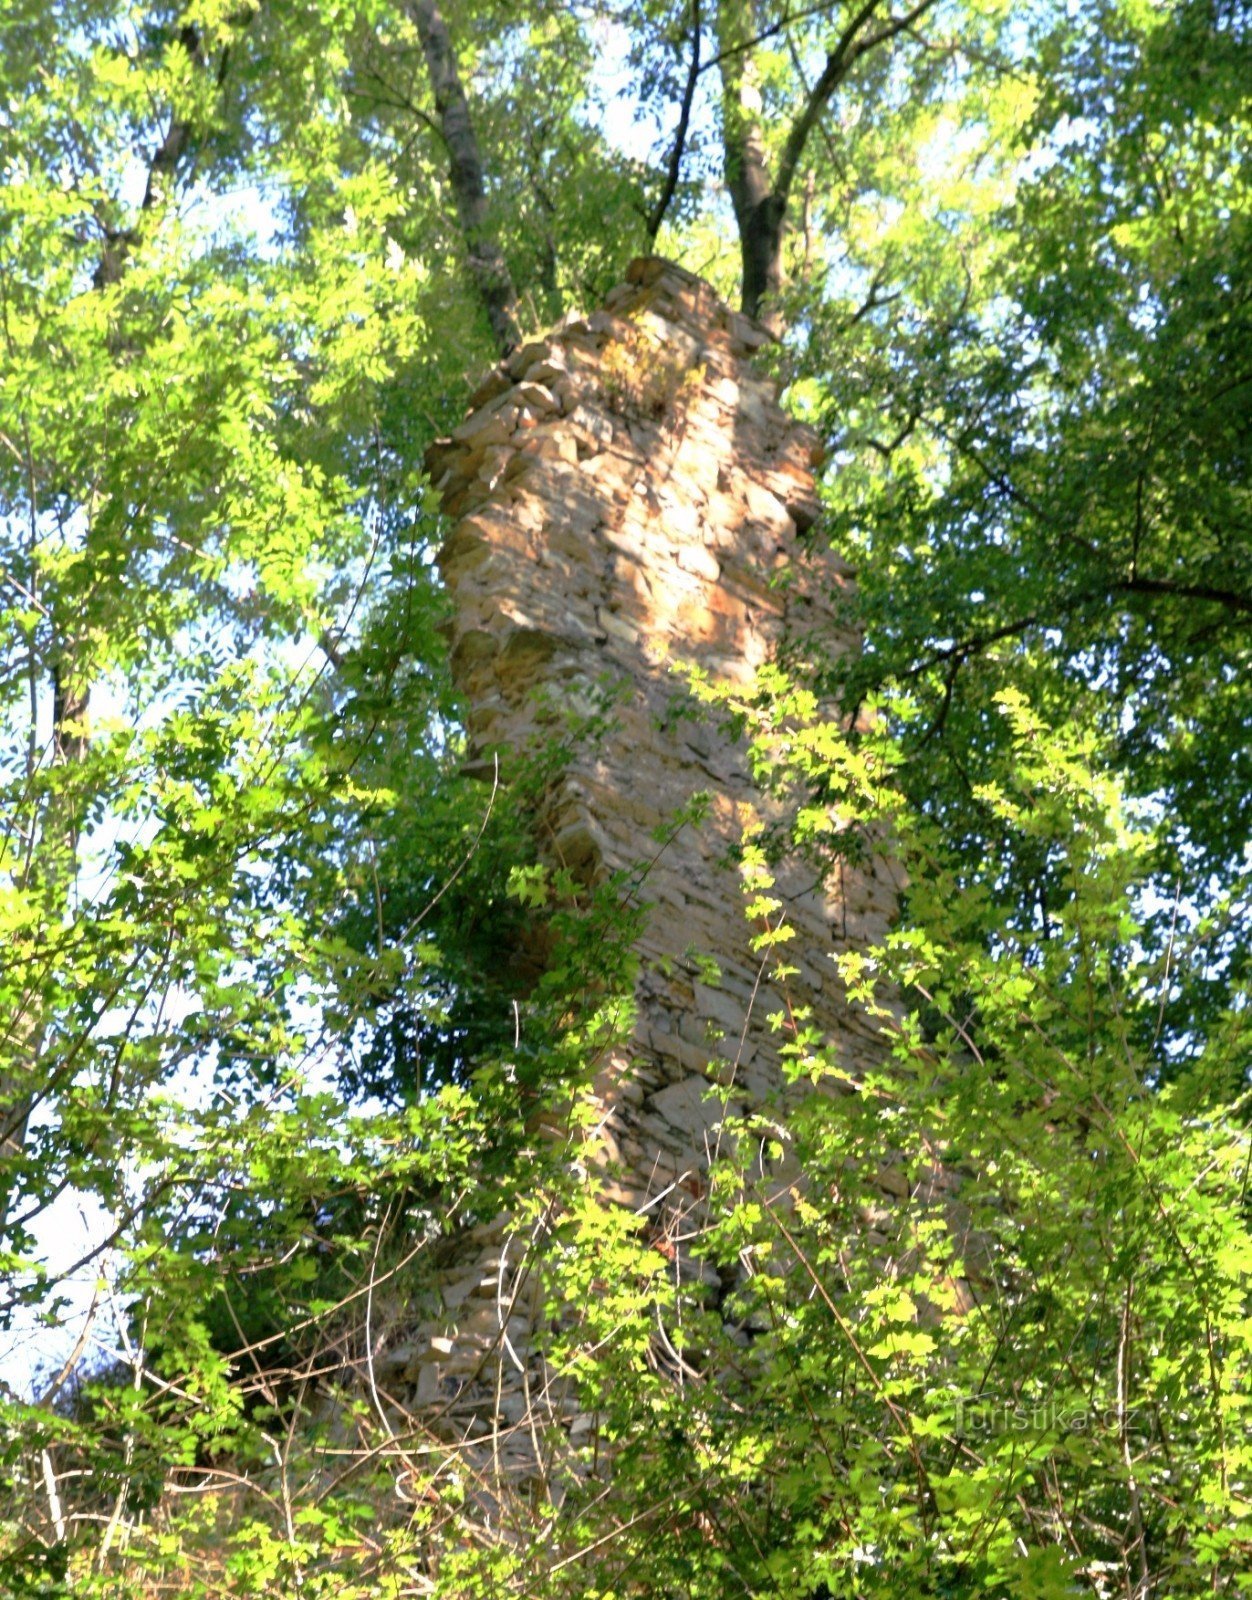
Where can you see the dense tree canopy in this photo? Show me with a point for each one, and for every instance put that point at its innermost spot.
(253, 1016)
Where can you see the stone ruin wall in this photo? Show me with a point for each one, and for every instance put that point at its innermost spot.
(626, 495)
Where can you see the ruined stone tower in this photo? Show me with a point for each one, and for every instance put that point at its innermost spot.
(627, 495)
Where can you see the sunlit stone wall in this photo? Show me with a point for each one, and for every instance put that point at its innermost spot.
(627, 495)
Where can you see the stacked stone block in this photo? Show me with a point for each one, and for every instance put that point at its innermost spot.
(627, 495)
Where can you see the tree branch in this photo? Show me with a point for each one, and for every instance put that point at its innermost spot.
(976, 643)
(775, 28)
(119, 242)
(657, 216)
(1230, 598)
(162, 168)
(851, 47)
(838, 64)
(392, 98)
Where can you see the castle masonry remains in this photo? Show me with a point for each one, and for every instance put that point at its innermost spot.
(627, 496)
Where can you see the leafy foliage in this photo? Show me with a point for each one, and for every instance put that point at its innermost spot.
(1047, 489)
(286, 991)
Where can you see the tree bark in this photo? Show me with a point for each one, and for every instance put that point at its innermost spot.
(759, 213)
(488, 268)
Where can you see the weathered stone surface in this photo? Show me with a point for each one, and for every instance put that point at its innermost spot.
(628, 494)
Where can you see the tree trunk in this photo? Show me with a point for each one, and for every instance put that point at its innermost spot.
(760, 201)
(759, 212)
(488, 268)
(760, 245)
